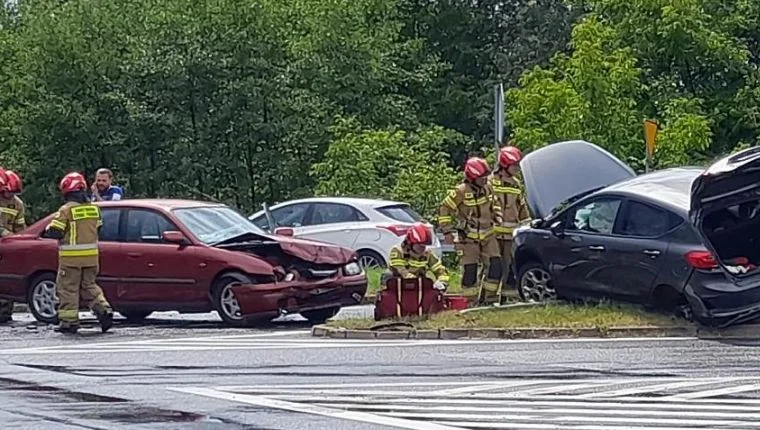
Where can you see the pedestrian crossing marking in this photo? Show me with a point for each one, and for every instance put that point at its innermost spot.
(298, 339)
(675, 403)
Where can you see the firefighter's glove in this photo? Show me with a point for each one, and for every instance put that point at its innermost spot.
(440, 285)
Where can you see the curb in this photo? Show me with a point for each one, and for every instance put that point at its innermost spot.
(512, 333)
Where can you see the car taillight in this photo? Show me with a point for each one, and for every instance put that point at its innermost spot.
(398, 230)
(701, 260)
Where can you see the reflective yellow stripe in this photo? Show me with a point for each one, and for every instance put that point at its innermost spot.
(85, 212)
(21, 221)
(72, 233)
(480, 236)
(476, 202)
(500, 229)
(58, 225)
(437, 266)
(78, 252)
(68, 314)
(398, 263)
(448, 201)
(443, 278)
(445, 219)
(506, 190)
(417, 264)
(9, 211)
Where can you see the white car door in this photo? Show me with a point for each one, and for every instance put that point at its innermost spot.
(334, 223)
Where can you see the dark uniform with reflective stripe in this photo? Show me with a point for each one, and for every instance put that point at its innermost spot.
(508, 191)
(406, 264)
(472, 212)
(78, 262)
(11, 221)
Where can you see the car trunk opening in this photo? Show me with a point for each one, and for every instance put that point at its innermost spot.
(725, 208)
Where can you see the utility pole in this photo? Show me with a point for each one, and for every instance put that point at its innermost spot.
(498, 114)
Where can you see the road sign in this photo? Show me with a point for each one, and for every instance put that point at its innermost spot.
(650, 134)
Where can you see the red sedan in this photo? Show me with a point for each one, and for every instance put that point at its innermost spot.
(189, 256)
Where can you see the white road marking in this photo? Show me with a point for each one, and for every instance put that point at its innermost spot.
(716, 393)
(281, 340)
(507, 405)
(333, 413)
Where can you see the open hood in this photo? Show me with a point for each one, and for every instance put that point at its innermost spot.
(313, 252)
(563, 170)
(734, 177)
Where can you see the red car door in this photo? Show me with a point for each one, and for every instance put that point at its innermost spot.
(156, 271)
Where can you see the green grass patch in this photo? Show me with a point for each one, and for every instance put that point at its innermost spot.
(373, 278)
(600, 316)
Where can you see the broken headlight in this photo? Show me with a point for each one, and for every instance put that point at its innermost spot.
(352, 269)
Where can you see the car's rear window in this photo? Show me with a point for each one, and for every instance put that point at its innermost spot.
(401, 213)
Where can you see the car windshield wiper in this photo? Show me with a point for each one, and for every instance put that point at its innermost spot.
(563, 204)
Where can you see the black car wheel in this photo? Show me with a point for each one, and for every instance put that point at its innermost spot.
(224, 299)
(534, 283)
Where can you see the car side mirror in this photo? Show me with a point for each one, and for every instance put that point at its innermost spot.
(175, 237)
(557, 229)
(284, 231)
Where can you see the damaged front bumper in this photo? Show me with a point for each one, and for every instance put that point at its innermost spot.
(722, 309)
(272, 300)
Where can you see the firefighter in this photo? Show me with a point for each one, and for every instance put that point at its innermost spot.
(411, 258)
(76, 225)
(11, 221)
(506, 186)
(472, 210)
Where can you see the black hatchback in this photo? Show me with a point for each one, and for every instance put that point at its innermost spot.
(680, 239)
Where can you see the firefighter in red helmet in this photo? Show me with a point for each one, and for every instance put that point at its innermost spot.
(76, 225)
(508, 190)
(471, 211)
(11, 221)
(411, 259)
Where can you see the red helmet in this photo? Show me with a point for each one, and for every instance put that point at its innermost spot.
(509, 156)
(74, 181)
(475, 168)
(419, 234)
(4, 182)
(14, 181)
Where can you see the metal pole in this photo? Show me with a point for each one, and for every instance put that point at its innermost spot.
(498, 134)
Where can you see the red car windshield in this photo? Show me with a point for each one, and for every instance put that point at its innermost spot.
(215, 224)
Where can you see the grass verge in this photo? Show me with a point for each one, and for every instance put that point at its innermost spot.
(600, 316)
(373, 279)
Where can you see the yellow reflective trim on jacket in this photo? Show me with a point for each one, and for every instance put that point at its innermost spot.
(58, 225)
(85, 212)
(9, 211)
(417, 264)
(446, 219)
(443, 278)
(21, 221)
(397, 263)
(448, 201)
(499, 229)
(506, 190)
(476, 202)
(480, 236)
(78, 252)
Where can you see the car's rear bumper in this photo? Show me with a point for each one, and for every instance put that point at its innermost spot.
(723, 308)
(271, 300)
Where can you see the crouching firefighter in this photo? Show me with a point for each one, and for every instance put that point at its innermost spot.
(411, 259)
(76, 225)
(471, 210)
(508, 191)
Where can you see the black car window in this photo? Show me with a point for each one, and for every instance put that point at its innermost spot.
(289, 216)
(644, 220)
(329, 213)
(147, 226)
(595, 217)
(109, 232)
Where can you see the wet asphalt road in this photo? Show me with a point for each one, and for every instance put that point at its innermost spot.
(192, 373)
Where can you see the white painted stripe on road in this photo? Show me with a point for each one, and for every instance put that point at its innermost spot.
(332, 413)
(528, 408)
(512, 418)
(652, 388)
(715, 393)
(481, 388)
(571, 387)
(252, 342)
(646, 403)
(527, 426)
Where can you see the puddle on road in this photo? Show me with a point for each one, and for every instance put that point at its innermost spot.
(79, 405)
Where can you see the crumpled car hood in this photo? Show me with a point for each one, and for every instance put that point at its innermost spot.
(562, 170)
(314, 252)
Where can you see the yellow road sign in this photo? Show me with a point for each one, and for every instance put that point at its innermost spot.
(650, 134)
